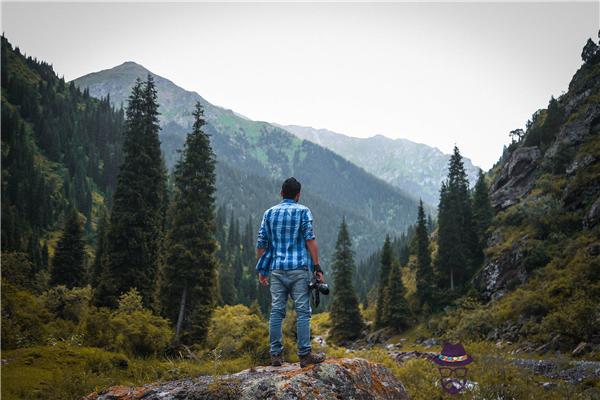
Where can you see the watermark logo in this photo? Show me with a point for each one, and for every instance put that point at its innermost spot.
(452, 362)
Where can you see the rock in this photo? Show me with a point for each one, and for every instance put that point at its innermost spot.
(320, 341)
(577, 164)
(334, 379)
(407, 355)
(430, 342)
(498, 274)
(516, 177)
(592, 217)
(379, 336)
(548, 385)
(575, 131)
(581, 348)
(572, 372)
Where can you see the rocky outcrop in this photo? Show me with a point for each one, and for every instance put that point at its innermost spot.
(592, 216)
(334, 379)
(501, 273)
(516, 177)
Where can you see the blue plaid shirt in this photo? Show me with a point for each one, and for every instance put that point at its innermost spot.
(283, 233)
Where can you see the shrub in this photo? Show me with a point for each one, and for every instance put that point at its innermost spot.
(24, 318)
(137, 330)
(69, 304)
(236, 331)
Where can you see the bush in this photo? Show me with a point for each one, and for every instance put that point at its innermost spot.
(69, 304)
(24, 318)
(236, 331)
(138, 331)
(97, 329)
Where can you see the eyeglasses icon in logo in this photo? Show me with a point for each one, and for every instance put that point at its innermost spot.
(452, 363)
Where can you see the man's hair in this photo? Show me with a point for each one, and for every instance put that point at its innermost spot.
(290, 188)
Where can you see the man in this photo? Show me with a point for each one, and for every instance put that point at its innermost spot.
(287, 249)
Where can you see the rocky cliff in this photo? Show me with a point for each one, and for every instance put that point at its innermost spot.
(334, 379)
(546, 189)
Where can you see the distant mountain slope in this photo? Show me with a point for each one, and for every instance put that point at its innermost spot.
(261, 151)
(413, 167)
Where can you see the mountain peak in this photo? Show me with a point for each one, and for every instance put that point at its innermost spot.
(130, 66)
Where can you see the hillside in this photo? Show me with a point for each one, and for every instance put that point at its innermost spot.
(540, 283)
(262, 151)
(414, 167)
(61, 148)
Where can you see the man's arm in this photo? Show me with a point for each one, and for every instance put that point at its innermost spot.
(311, 242)
(261, 246)
(313, 249)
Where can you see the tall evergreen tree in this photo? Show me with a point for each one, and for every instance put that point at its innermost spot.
(396, 310)
(188, 279)
(482, 216)
(101, 246)
(385, 266)
(457, 240)
(68, 263)
(424, 273)
(346, 320)
(137, 219)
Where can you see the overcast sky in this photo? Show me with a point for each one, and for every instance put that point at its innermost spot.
(435, 73)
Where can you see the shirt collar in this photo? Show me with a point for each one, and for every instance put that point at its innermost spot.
(288, 201)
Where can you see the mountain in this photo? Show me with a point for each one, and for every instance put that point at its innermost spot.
(414, 167)
(540, 283)
(254, 154)
(61, 149)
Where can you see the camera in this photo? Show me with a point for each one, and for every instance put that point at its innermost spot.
(319, 286)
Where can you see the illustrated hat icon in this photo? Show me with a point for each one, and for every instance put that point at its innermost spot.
(453, 355)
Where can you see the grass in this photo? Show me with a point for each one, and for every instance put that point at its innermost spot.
(67, 372)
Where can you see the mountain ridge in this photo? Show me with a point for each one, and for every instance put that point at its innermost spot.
(263, 151)
(415, 167)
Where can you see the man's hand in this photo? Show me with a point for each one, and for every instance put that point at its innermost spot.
(319, 276)
(263, 280)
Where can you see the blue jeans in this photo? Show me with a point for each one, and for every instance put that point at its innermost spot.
(295, 284)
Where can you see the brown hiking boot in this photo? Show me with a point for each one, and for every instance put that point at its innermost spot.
(310, 358)
(276, 360)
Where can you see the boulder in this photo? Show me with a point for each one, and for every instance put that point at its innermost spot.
(334, 379)
(516, 177)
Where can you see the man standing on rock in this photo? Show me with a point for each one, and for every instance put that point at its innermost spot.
(287, 250)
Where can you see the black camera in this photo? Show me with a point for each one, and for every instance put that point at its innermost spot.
(317, 287)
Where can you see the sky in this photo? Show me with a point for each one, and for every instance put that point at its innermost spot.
(442, 74)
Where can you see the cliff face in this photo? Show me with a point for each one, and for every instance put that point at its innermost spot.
(334, 379)
(546, 189)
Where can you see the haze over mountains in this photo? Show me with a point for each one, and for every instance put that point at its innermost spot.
(254, 156)
(414, 167)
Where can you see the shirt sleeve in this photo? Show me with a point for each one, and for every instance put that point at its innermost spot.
(306, 225)
(263, 266)
(262, 241)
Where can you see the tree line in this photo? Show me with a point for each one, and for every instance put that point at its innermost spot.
(440, 259)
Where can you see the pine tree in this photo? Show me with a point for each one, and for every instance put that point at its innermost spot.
(482, 216)
(346, 320)
(384, 272)
(68, 263)
(188, 280)
(137, 218)
(457, 240)
(101, 246)
(396, 311)
(424, 272)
